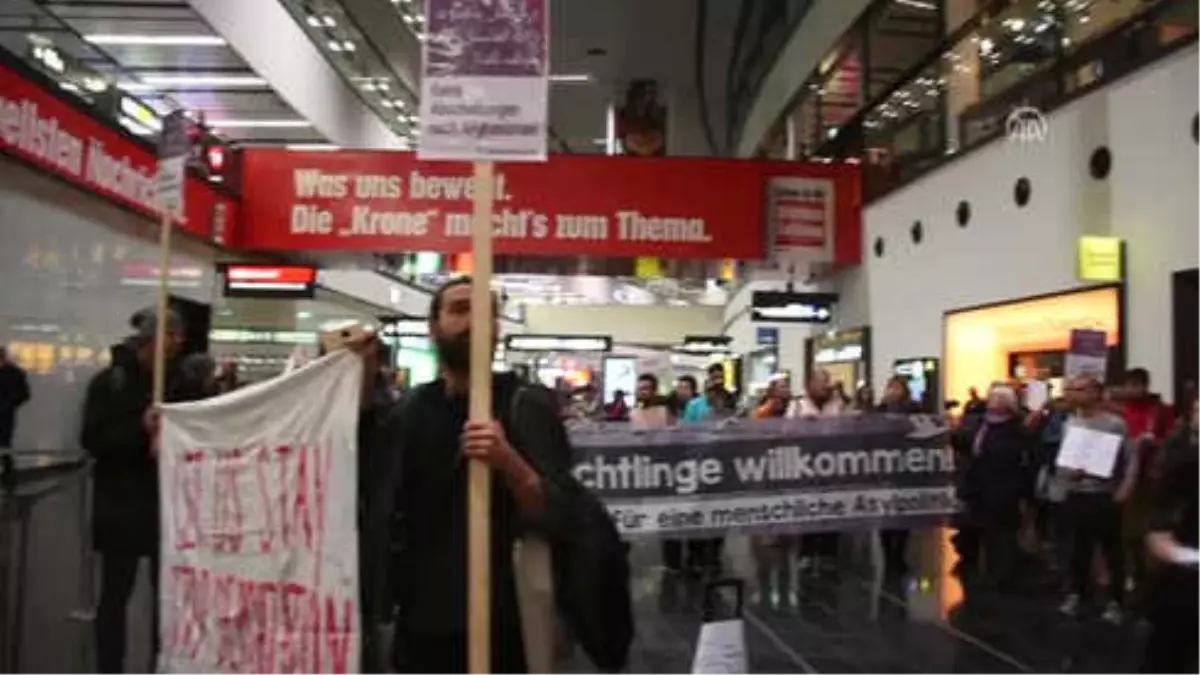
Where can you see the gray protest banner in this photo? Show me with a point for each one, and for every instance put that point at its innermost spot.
(769, 475)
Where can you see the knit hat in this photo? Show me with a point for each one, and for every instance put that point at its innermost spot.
(145, 322)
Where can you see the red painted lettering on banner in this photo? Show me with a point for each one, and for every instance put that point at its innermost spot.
(227, 503)
(188, 490)
(237, 625)
(266, 539)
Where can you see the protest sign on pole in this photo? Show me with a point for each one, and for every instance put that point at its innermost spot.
(173, 151)
(259, 558)
(1087, 354)
(485, 74)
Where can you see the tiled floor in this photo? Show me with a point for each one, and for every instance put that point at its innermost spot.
(849, 620)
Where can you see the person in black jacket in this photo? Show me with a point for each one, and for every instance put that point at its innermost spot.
(420, 501)
(898, 400)
(994, 448)
(116, 419)
(14, 392)
(1173, 609)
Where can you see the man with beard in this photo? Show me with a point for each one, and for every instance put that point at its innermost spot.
(421, 457)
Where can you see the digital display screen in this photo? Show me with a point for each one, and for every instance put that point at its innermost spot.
(270, 281)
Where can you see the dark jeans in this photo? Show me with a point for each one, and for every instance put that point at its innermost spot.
(702, 554)
(1174, 615)
(895, 550)
(118, 573)
(1000, 551)
(448, 653)
(1096, 522)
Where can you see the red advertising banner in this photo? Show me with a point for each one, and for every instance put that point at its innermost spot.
(52, 134)
(571, 205)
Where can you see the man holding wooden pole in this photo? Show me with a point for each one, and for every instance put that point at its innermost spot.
(485, 99)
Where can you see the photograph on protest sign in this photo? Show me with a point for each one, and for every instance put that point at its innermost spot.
(259, 558)
(787, 475)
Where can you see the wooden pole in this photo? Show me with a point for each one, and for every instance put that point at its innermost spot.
(160, 329)
(479, 478)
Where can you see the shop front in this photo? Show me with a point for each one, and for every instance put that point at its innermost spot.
(1028, 338)
(79, 253)
(844, 354)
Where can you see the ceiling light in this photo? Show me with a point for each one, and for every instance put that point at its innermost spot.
(94, 84)
(262, 124)
(204, 80)
(1015, 25)
(321, 21)
(348, 45)
(311, 147)
(334, 46)
(571, 78)
(131, 39)
(918, 4)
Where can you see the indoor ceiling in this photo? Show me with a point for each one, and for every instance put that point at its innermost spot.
(161, 53)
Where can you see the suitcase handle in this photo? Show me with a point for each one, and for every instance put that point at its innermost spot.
(709, 606)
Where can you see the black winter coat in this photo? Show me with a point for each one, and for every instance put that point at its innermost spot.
(993, 482)
(125, 494)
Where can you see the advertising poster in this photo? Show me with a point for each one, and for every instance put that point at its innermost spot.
(259, 553)
(801, 218)
(570, 205)
(485, 80)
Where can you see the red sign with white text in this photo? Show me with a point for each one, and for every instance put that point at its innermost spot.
(571, 205)
(52, 134)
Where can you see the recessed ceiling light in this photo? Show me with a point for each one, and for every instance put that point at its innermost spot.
(161, 40)
(571, 78)
(269, 124)
(204, 80)
(311, 147)
(348, 45)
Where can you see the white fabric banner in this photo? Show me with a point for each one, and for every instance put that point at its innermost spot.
(259, 537)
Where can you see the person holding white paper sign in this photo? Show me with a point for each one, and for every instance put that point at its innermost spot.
(1096, 487)
(1173, 609)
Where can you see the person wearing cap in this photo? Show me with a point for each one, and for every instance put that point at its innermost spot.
(125, 495)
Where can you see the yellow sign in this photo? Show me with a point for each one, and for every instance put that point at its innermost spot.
(1100, 259)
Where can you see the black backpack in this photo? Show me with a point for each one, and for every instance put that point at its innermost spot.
(590, 565)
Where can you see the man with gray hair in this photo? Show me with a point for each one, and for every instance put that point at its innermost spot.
(125, 498)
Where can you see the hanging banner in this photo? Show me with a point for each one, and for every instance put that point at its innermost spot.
(485, 79)
(571, 205)
(259, 569)
(770, 476)
(48, 130)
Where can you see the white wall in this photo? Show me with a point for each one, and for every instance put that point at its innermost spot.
(633, 324)
(1155, 207)
(1008, 252)
(276, 47)
(68, 263)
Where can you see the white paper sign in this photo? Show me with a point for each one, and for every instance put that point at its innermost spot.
(1093, 452)
(259, 539)
(721, 648)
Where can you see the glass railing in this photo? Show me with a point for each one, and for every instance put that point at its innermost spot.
(1021, 55)
(760, 33)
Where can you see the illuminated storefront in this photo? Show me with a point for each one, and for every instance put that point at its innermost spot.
(1027, 338)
